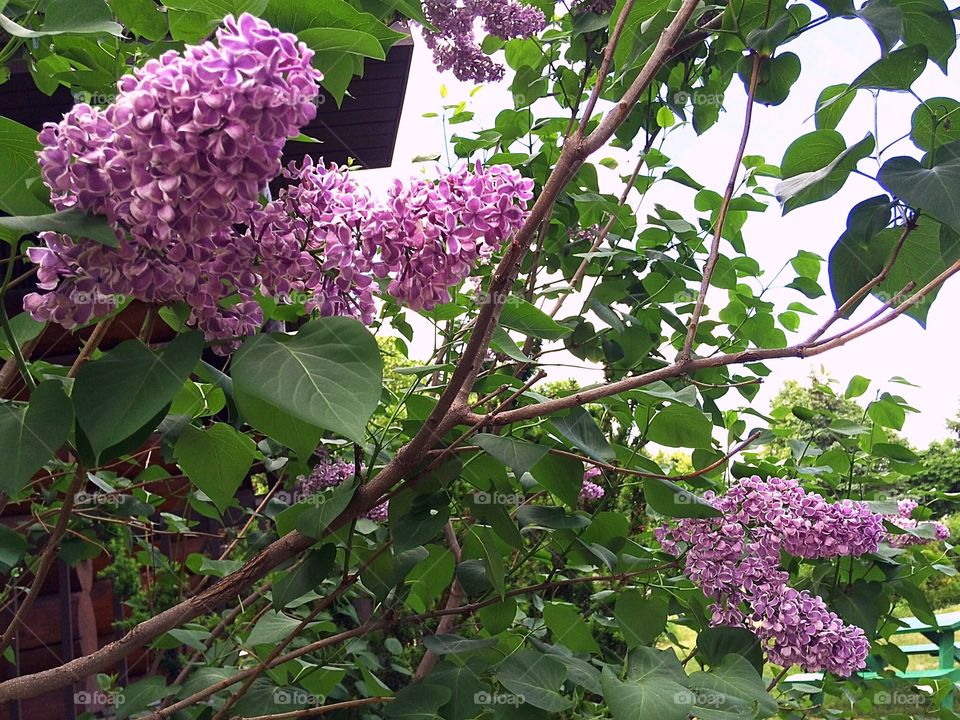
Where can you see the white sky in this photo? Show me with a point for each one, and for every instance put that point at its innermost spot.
(834, 53)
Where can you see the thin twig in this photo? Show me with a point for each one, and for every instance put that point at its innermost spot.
(714, 255)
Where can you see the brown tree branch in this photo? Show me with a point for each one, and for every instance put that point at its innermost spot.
(324, 709)
(46, 559)
(714, 255)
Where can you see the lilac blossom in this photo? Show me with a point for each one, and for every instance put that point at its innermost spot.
(735, 561)
(454, 42)
(174, 163)
(429, 236)
(329, 473)
(590, 491)
(904, 520)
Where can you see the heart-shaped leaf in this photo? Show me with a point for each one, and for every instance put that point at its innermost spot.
(933, 187)
(329, 375)
(30, 436)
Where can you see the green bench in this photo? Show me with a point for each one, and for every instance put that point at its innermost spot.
(941, 643)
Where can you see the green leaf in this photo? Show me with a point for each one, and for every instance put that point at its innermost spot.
(13, 546)
(500, 341)
(143, 17)
(832, 104)
(855, 259)
(418, 702)
(765, 40)
(271, 629)
(307, 576)
(329, 375)
(715, 643)
(928, 23)
(552, 518)
(885, 22)
(530, 320)
(343, 40)
(648, 696)
(138, 697)
(417, 519)
(776, 76)
(24, 328)
(536, 678)
(455, 644)
(323, 508)
(73, 222)
(518, 455)
(928, 251)
(887, 414)
(568, 628)
(897, 71)
(465, 685)
(495, 618)
(18, 148)
(856, 387)
(68, 17)
(894, 451)
(801, 188)
(216, 460)
(119, 393)
(483, 536)
(219, 9)
(562, 476)
(641, 618)
(928, 134)
(931, 187)
(31, 436)
(671, 500)
(680, 425)
(731, 689)
(579, 427)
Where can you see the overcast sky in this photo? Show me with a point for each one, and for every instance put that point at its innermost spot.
(834, 53)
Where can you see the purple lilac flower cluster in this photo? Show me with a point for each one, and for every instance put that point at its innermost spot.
(595, 6)
(429, 236)
(454, 43)
(735, 561)
(330, 473)
(331, 239)
(904, 519)
(590, 491)
(173, 163)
